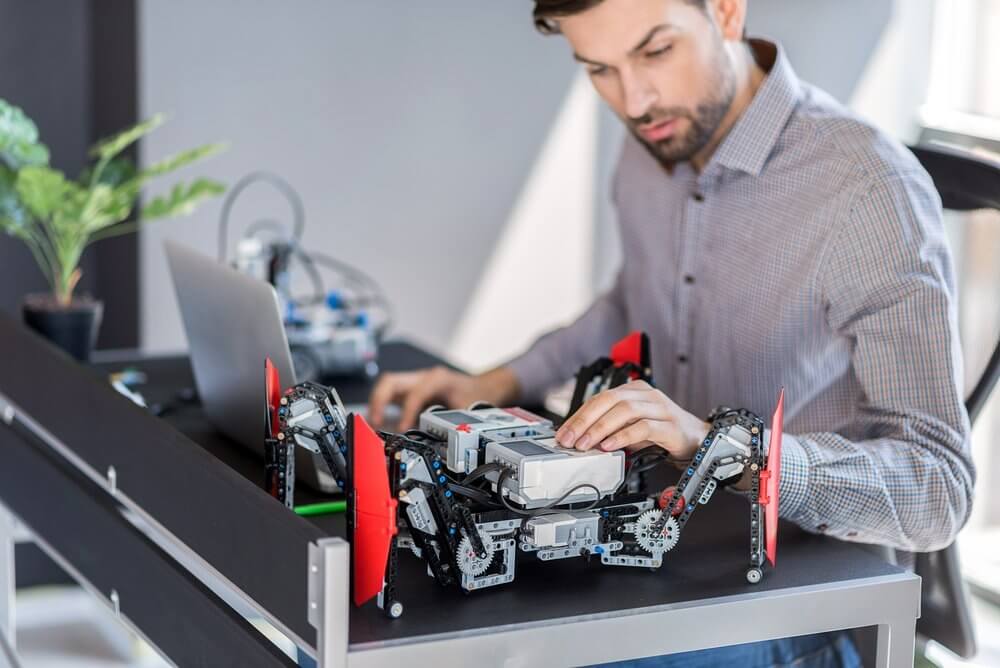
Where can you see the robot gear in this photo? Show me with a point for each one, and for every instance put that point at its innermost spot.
(417, 552)
(471, 563)
(656, 543)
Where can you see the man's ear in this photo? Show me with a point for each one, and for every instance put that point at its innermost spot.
(731, 17)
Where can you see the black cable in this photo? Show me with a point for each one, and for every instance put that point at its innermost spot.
(550, 506)
(421, 433)
(647, 463)
(651, 450)
(648, 459)
(480, 472)
(480, 495)
(319, 290)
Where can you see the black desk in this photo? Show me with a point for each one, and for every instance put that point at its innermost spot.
(711, 560)
(204, 494)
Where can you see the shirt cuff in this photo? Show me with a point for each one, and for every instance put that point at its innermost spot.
(793, 487)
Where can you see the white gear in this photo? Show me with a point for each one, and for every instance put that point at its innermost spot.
(644, 535)
(471, 563)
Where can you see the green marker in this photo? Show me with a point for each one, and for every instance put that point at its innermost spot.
(327, 508)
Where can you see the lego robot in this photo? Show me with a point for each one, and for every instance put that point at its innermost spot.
(470, 489)
(330, 332)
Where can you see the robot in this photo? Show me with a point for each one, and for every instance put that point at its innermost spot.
(328, 335)
(471, 490)
(331, 332)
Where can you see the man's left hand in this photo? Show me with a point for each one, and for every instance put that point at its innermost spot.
(634, 416)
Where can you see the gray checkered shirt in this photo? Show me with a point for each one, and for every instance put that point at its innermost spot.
(809, 254)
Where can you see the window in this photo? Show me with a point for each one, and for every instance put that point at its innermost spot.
(964, 90)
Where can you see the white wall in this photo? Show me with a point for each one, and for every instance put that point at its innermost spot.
(895, 82)
(539, 273)
(410, 129)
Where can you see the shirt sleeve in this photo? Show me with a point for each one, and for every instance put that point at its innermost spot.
(559, 354)
(899, 472)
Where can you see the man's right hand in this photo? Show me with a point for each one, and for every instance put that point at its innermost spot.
(415, 390)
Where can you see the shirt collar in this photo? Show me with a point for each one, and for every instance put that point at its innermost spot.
(752, 138)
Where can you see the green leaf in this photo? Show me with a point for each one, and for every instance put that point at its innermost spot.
(105, 207)
(179, 160)
(42, 190)
(67, 216)
(14, 219)
(116, 172)
(94, 215)
(85, 211)
(111, 147)
(19, 145)
(182, 200)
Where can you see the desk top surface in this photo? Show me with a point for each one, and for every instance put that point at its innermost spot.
(709, 562)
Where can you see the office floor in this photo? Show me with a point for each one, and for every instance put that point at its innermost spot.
(65, 628)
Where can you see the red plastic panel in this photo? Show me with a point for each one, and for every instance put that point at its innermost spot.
(772, 483)
(628, 350)
(272, 394)
(374, 511)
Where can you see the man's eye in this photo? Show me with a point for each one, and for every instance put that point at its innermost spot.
(596, 71)
(659, 52)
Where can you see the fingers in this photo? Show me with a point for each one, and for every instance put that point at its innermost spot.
(389, 388)
(581, 421)
(430, 385)
(641, 433)
(621, 415)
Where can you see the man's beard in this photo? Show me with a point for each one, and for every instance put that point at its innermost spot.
(703, 122)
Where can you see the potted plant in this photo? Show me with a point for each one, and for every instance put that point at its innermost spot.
(57, 218)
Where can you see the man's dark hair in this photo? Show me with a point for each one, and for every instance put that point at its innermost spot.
(547, 11)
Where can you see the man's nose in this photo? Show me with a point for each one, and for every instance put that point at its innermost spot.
(639, 95)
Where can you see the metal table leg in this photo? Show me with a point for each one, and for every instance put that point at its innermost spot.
(7, 644)
(896, 643)
(329, 604)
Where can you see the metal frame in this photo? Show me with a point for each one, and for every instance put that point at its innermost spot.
(177, 552)
(891, 603)
(191, 560)
(8, 644)
(329, 593)
(110, 601)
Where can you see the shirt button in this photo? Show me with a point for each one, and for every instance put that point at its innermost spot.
(822, 528)
(682, 359)
(689, 279)
(698, 197)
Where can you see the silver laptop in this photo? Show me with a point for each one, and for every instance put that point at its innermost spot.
(233, 323)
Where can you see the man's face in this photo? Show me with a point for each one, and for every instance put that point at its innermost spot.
(661, 65)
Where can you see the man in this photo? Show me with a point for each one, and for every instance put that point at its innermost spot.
(771, 239)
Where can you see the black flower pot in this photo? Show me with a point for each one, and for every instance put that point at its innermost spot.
(73, 328)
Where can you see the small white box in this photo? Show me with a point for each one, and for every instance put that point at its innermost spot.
(541, 471)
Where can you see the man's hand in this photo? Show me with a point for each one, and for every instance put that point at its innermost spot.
(415, 390)
(634, 416)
